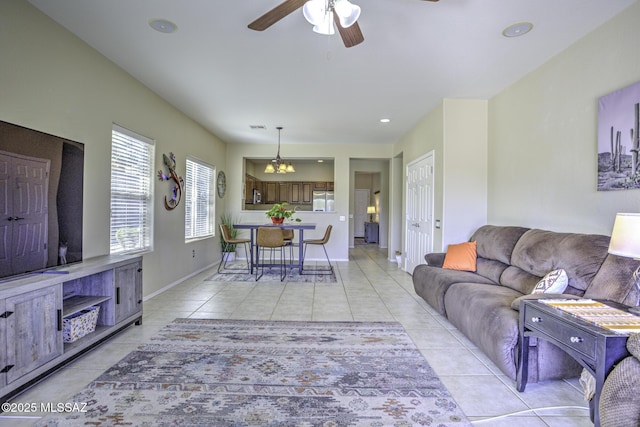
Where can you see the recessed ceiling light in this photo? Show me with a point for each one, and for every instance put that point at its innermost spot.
(385, 120)
(517, 30)
(320, 161)
(163, 26)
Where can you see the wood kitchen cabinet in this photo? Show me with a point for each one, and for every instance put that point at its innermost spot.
(270, 192)
(284, 192)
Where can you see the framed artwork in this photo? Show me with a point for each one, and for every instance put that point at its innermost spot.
(619, 139)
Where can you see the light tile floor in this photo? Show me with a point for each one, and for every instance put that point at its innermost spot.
(369, 288)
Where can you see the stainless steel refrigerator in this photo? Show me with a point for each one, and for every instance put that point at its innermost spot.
(323, 201)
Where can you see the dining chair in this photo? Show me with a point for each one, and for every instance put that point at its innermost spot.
(230, 241)
(322, 242)
(270, 238)
(287, 235)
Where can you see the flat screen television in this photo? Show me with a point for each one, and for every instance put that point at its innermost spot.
(41, 184)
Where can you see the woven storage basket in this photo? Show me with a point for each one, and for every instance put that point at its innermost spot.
(80, 324)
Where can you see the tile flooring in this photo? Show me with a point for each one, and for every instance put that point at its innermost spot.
(369, 288)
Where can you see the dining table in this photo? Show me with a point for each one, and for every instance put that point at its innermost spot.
(253, 229)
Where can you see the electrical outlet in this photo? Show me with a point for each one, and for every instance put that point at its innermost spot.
(193, 253)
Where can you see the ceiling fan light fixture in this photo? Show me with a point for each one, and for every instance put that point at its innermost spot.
(347, 12)
(314, 11)
(326, 27)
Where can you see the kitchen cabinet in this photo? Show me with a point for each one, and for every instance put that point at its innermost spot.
(269, 192)
(284, 192)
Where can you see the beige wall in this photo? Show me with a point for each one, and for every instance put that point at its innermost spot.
(53, 82)
(543, 135)
(456, 132)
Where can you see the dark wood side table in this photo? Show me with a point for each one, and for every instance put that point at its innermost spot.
(596, 349)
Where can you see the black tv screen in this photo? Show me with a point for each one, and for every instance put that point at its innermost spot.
(41, 184)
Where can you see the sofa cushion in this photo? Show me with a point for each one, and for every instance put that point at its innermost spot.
(554, 282)
(496, 242)
(519, 280)
(484, 315)
(614, 281)
(580, 255)
(461, 256)
(497, 334)
(431, 283)
(490, 268)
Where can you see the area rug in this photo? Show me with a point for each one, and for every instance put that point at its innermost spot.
(235, 274)
(227, 373)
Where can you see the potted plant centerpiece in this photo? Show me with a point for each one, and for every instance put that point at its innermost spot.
(279, 212)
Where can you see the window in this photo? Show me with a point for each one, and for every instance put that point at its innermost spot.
(131, 191)
(200, 208)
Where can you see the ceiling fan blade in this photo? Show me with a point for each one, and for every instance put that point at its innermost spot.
(276, 14)
(352, 35)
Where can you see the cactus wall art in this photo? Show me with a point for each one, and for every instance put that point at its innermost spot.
(619, 139)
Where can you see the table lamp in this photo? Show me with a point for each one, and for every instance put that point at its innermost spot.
(371, 210)
(625, 241)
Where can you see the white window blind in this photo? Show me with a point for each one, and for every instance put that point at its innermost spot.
(199, 200)
(131, 191)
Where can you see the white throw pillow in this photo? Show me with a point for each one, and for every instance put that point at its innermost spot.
(554, 282)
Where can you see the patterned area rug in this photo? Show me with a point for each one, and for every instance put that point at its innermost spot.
(227, 373)
(235, 274)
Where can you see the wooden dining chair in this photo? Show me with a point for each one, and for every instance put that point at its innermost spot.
(318, 242)
(231, 242)
(270, 238)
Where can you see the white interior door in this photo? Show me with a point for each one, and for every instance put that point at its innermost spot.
(419, 222)
(360, 215)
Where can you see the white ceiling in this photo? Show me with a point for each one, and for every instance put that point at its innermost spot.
(228, 77)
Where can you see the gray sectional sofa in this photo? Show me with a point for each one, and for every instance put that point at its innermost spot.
(510, 261)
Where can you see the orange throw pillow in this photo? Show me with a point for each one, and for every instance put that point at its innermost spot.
(461, 257)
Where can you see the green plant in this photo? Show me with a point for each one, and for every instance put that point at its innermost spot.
(279, 210)
(228, 220)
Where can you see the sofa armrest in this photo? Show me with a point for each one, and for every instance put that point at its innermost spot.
(435, 259)
(516, 302)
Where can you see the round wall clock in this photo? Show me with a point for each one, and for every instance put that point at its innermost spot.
(222, 184)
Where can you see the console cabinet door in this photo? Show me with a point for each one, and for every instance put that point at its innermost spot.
(33, 330)
(128, 283)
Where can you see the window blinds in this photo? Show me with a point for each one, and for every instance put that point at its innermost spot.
(199, 200)
(131, 191)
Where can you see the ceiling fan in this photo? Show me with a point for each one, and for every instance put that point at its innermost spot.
(323, 14)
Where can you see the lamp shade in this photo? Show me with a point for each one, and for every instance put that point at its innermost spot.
(371, 209)
(625, 237)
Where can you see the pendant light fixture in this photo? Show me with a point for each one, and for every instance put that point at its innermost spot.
(277, 165)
